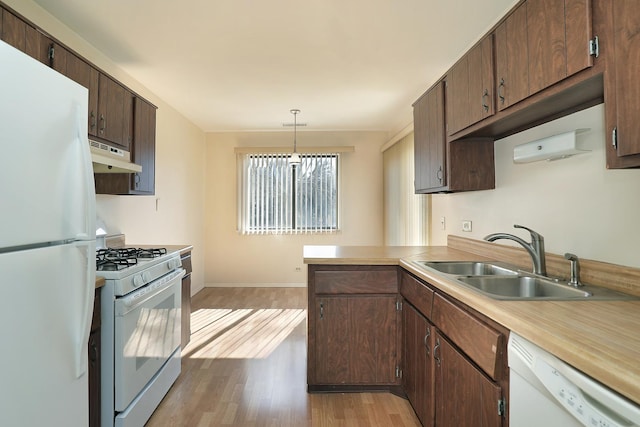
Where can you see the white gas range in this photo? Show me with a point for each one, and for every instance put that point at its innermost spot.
(140, 331)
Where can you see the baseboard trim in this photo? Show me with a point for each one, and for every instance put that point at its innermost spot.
(256, 285)
(342, 388)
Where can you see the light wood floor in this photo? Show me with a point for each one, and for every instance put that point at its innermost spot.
(246, 366)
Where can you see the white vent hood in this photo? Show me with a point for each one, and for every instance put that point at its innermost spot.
(109, 159)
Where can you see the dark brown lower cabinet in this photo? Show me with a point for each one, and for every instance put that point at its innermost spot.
(418, 367)
(465, 396)
(94, 365)
(185, 309)
(355, 340)
(381, 328)
(353, 328)
(454, 360)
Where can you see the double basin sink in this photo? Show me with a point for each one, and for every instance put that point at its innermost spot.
(503, 282)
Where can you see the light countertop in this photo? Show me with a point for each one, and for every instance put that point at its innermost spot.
(361, 255)
(600, 338)
(99, 282)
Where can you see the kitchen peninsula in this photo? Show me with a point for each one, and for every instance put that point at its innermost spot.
(598, 338)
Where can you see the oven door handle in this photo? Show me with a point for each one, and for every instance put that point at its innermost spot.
(139, 297)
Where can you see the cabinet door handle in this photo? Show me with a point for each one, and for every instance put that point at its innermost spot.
(136, 180)
(103, 123)
(485, 104)
(435, 349)
(501, 90)
(426, 340)
(439, 174)
(321, 310)
(51, 55)
(93, 120)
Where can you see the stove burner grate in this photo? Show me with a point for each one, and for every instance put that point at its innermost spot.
(115, 259)
(150, 253)
(115, 264)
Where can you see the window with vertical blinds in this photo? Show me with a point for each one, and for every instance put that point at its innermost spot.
(279, 198)
(406, 214)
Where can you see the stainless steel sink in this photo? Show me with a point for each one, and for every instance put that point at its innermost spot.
(469, 268)
(536, 288)
(502, 281)
(521, 287)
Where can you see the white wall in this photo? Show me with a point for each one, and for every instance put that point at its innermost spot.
(576, 204)
(180, 163)
(242, 260)
(179, 195)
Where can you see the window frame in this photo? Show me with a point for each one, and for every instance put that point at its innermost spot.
(243, 226)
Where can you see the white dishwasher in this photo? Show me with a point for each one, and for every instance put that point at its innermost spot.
(545, 391)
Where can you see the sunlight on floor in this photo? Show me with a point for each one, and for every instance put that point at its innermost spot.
(240, 333)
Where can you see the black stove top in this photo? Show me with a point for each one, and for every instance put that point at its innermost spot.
(115, 259)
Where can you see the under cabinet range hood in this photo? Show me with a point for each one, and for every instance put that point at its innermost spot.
(109, 159)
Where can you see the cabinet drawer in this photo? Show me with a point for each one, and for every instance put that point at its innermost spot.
(480, 342)
(372, 280)
(417, 293)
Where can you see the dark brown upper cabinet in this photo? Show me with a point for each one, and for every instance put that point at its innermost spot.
(110, 112)
(78, 70)
(558, 37)
(512, 72)
(539, 44)
(23, 36)
(622, 87)
(470, 87)
(115, 110)
(144, 146)
(143, 153)
(113, 116)
(441, 166)
(429, 140)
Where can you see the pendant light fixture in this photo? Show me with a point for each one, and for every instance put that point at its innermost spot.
(294, 160)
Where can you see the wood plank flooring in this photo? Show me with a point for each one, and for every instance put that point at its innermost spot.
(246, 367)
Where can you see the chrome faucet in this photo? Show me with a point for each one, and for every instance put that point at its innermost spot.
(575, 269)
(535, 248)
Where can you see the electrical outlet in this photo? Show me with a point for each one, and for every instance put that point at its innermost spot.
(443, 223)
(466, 225)
(298, 269)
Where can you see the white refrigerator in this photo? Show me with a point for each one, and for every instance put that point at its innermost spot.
(47, 245)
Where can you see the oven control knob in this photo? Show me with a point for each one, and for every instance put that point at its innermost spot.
(138, 281)
(173, 263)
(146, 276)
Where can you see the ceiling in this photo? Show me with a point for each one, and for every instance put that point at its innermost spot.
(241, 65)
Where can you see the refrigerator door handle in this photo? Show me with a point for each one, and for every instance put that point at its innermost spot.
(87, 166)
(86, 311)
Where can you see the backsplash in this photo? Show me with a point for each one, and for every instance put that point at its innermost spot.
(115, 241)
